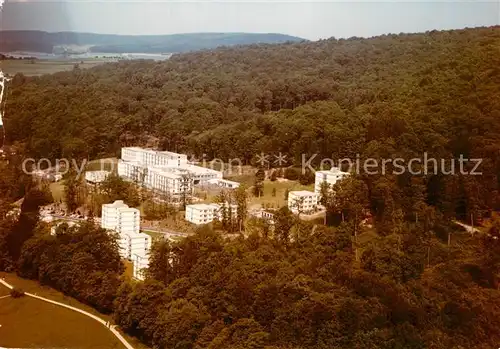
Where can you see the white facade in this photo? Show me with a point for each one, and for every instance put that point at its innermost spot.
(96, 176)
(330, 176)
(140, 263)
(120, 218)
(201, 213)
(134, 244)
(263, 214)
(224, 183)
(149, 157)
(200, 174)
(162, 170)
(302, 201)
(206, 213)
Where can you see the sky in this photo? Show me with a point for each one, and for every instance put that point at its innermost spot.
(311, 20)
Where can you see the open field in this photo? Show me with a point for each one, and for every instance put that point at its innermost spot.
(244, 179)
(4, 291)
(31, 323)
(40, 67)
(28, 322)
(270, 201)
(153, 234)
(57, 191)
(37, 324)
(108, 164)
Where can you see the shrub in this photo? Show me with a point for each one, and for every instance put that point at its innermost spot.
(16, 293)
(291, 174)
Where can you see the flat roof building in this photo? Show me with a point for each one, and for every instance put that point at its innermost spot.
(206, 213)
(140, 264)
(126, 222)
(150, 157)
(134, 244)
(224, 183)
(96, 177)
(331, 177)
(302, 201)
(163, 170)
(120, 218)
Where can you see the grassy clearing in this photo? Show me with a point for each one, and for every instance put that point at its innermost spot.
(244, 179)
(270, 201)
(153, 234)
(41, 66)
(31, 323)
(47, 292)
(40, 316)
(4, 291)
(108, 164)
(57, 190)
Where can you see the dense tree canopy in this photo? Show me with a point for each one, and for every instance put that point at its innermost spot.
(207, 292)
(297, 285)
(384, 97)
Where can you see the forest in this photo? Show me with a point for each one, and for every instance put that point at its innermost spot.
(384, 97)
(298, 285)
(294, 287)
(40, 41)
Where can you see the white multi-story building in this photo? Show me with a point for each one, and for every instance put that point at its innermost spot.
(140, 263)
(264, 215)
(134, 244)
(206, 213)
(302, 201)
(124, 220)
(224, 183)
(162, 170)
(120, 218)
(201, 213)
(149, 157)
(330, 176)
(95, 177)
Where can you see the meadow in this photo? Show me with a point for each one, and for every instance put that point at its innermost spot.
(268, 200)
(30, 323)
(40, 67)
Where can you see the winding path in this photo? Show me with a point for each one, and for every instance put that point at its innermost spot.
(96, 318)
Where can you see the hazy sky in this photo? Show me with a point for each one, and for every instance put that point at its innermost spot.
(307, 19)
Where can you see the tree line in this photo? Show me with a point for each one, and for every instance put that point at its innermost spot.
(385, 97)
(298, 285)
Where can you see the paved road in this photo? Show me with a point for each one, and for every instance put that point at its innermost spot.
(96, 318)
(468, 228)
(164, 231)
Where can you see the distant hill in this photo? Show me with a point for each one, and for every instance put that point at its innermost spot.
(39, 41)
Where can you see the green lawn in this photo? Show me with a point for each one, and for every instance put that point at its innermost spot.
(57, 190)
(153, 234)
(270, 201)
(108, 164)
(37, 324)
(30, 323)
(244, 179)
